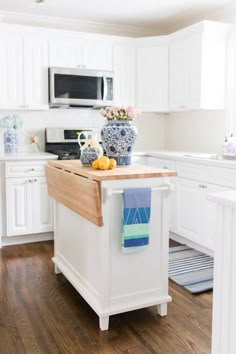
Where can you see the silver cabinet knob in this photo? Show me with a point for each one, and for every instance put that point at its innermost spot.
(35, 180)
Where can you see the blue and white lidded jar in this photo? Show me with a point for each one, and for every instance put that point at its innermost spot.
(10, 141)
(118, 139)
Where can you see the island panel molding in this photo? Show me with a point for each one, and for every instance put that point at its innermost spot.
(76, 192)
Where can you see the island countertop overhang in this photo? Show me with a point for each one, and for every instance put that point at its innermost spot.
(127, 172)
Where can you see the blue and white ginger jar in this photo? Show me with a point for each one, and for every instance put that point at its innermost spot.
(10, 141)
(118, 139)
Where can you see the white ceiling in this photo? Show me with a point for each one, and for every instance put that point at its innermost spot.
(158, 16)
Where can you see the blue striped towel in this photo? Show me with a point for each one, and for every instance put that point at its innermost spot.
(136, 216)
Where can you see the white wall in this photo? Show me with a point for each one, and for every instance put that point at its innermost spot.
(151, 126)
(151, 131)
(201, 131)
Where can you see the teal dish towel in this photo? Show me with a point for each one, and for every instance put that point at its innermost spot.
(136, 217)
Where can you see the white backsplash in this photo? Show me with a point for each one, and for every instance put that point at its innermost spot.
(35, 122)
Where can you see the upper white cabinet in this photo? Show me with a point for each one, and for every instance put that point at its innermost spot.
(35, 73)
(152, 77)
(23, 69)
(124, 71)
(78, 52)
(11, 70)
(197, 67)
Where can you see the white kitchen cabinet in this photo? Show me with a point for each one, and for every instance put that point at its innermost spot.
(140, 160)
(11, 70)
(19, 206)
(35, 73)
(197, 67)
(152, 78)
(79, 52)
(43, 206)
(167, 165)
(195, 214)
(29, 209)
(23, 69)
(124, 71)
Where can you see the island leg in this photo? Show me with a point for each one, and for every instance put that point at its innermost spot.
(104, 323)
(162, 309)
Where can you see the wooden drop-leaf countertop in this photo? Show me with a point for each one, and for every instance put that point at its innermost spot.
(126, 172)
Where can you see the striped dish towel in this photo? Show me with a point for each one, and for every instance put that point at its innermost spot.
(136, 216)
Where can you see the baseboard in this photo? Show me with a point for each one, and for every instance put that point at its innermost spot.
(191, 244)
(16, 240)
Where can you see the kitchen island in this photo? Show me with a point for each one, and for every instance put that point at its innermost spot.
(88, 242)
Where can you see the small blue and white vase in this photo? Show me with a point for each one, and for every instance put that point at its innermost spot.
(10, 141)
(118, 139)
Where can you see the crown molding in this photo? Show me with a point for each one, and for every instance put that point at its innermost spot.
(77, 25)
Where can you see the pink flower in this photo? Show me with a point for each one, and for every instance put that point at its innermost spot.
(132, 112)
(103, 112)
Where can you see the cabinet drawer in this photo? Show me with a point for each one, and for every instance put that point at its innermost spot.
(161, 163)
(24, 169)
(210, 174)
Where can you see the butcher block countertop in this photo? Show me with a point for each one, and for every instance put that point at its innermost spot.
(78, 187)
(127, 172)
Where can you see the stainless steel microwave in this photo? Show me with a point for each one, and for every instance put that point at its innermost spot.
(80, 87)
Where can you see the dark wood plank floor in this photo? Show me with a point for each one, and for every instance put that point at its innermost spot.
(42, 313)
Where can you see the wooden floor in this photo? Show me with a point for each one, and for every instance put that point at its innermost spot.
(42, 313)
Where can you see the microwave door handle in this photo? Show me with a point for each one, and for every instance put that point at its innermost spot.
(104, 87)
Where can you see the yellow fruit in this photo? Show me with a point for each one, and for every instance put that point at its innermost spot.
(112, 164)
(103, 163)
(95, 164)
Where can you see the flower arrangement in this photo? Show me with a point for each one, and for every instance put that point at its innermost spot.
(11, 122)
(120, 113)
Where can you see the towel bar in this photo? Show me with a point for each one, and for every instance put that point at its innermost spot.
(164, 187)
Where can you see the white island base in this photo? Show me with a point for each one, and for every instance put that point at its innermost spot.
(91, 257)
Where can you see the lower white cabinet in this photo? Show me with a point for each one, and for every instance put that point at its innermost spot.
(29, 209)
(166, 165)
(195, 214)
(139, 160)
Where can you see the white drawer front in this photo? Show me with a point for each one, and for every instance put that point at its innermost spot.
(161, 163)
(23, 169)
(210, 174)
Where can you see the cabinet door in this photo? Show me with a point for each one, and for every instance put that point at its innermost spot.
(66, 52)
(35, 73)
(124, 69)
(152, 78)
(18, 206)
(11, 70)
(209, 215)
(42, 206)
(186, 72)
(188, 205)
(97, 55)
(167, 165)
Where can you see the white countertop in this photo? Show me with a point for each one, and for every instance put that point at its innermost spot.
(227, 198)
(194, 157)
(27, 156)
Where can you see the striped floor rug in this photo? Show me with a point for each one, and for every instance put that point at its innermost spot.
(191, 269)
